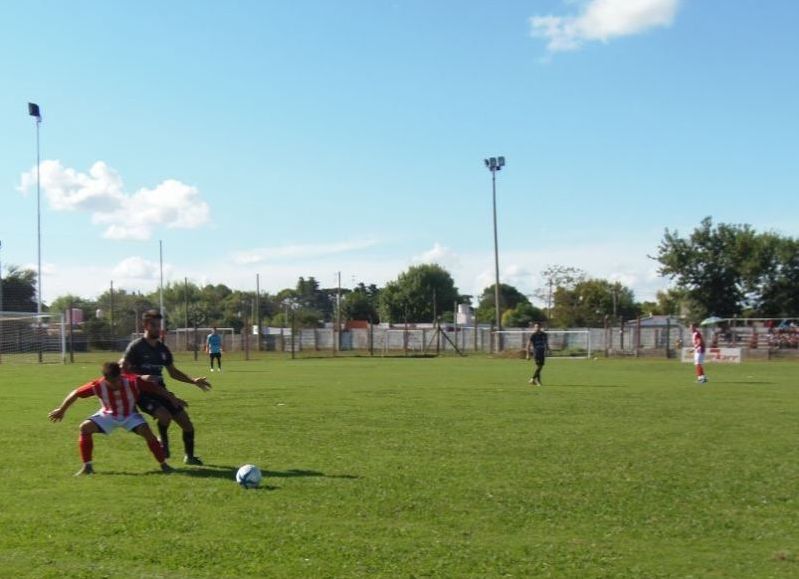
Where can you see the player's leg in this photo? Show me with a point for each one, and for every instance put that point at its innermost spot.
(219, 361)
(144, 431)
(211, 360)
(539, 365)
(699, 360)
(155, 408)
(184, 421)
(86, 446)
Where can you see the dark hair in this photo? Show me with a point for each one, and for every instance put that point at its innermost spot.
(152, 314)
(111, 370)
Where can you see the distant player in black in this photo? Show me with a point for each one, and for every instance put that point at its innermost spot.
(537, 347)
(149, 355)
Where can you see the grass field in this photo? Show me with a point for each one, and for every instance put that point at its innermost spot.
(442, 467)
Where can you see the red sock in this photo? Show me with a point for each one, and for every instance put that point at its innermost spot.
(86, 445)
(157, 450)
(700, 371)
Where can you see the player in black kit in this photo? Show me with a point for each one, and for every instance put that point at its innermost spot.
(149, 355)
(537, 347)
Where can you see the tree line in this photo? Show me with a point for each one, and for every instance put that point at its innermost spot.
(724, 270)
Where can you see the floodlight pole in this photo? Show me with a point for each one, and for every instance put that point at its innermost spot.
(161, 285)
(495, 164)
(33, 110)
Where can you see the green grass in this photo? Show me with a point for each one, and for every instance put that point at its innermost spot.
(448, 467)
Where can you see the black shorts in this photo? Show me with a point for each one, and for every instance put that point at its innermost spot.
(218, 356)
(150, 404)
(539, 356)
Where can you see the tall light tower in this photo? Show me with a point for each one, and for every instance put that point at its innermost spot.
(33, 110)
(495, 164)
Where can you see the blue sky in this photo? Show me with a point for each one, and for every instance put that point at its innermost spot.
(312, 137)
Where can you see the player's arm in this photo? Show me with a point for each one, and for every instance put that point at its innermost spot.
(180, 376)
(84, 391)
(125, 361)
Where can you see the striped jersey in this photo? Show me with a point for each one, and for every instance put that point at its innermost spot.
(118, 402)
(699, 342)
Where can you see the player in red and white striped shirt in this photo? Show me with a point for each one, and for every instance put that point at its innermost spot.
(699, 353)
(118, 394)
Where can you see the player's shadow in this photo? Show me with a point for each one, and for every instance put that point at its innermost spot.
(223, 472)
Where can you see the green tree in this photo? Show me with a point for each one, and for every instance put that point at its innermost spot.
(362, 303)
(509, 299)
(714, 265)
(411, 295)
(19, 290)
(589, 301)
(773, 277)
(522, 316)
(558, 277)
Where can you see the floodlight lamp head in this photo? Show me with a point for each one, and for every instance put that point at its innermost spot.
(501, 161)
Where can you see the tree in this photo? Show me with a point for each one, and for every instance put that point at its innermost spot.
(19, 290)
(716, 266)
(587, 304)
(557, 277)
(509, 298)
(522, 316)
(773, 277)
(362, 303)
(411, 296)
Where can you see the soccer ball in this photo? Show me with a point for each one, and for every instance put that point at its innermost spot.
(249, 476)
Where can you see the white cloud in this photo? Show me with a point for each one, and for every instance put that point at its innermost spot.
(438, 254)
(127, 216)
(137, 268)
(603, 20)
(299, 251)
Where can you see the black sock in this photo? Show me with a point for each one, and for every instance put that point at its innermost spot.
(162, 431)
(188, 442)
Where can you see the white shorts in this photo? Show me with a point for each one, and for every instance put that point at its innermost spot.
(108, 423)
(699, 358)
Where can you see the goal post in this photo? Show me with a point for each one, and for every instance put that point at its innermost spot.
(567, 344)
(32, 338)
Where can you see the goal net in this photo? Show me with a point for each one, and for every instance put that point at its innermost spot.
(573, 344)
(32, 338)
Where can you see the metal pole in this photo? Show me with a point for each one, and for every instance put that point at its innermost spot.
(258, 308)
(293, 330)
(186, 308)
(161, 285)
(496, 248)
(38, 222)
(111, 316)
(338, 315)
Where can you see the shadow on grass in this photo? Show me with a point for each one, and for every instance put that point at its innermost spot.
(226, 472)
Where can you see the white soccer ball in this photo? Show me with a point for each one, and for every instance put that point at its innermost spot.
(249, 476)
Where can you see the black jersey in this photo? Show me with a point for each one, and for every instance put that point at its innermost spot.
(538, 341)
(142, 358)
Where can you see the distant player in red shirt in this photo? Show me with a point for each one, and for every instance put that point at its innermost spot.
(118, 394)
(699, 353)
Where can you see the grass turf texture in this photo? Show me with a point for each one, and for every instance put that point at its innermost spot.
(416, 467)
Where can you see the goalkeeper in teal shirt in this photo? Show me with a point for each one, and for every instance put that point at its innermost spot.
(213, 345)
